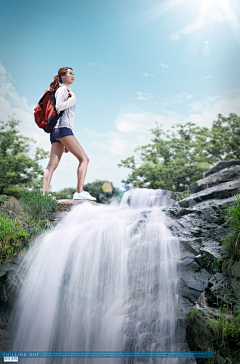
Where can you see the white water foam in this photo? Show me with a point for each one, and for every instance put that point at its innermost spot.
(104, 279)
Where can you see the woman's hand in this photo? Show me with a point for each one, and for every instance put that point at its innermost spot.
(65, 150)
(72, 94)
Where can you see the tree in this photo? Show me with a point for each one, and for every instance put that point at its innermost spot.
(18, 172)
(176, 159)
(95, 189)
(65, 193)
(225, 137)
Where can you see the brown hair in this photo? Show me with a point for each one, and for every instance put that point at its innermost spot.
(61, 72)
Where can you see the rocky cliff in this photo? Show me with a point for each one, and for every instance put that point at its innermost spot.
(210, 295)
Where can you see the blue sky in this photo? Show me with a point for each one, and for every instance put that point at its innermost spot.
(136, 62)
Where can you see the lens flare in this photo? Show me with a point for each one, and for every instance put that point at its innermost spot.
(107, 187)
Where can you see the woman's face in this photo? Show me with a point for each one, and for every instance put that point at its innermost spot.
(68, 78)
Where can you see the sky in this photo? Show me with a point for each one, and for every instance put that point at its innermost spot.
(137, 63)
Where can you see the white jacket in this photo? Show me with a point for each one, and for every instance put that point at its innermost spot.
(66, 104)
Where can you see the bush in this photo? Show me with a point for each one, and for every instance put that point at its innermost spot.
(35, 204)
(231, 243)
(228, 332)
(11, 233)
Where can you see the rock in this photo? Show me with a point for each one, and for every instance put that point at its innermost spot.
(201, 336)
(225, 175)
(10, 206)
(225, 287)
(221, 165)
(67, 204)
(221, 191)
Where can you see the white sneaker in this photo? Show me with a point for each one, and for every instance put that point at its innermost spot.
(79, 196)
(84, 195)
(88, 196)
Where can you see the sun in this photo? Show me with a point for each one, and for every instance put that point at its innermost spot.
(220, 11)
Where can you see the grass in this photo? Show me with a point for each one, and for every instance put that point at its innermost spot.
(193, 311)
(35, 204)
(181, 195)
(11, 235)
(231, 243)
(228, 332)
(226, 329)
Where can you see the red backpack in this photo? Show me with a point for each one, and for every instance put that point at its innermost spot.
(45, 113)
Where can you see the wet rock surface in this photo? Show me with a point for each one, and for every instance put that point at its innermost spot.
(67, 204)
(224, 175)
(199, 223)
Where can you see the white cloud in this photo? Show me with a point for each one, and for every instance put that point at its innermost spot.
(143, 96)
(8, 91)
(204, 112)
(205, 77)
(180, 98)
(147, 74)
(169, 112)
(163, 65)
(141, 122)
(114, 146)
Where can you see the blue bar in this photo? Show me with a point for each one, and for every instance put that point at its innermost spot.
(108, 354)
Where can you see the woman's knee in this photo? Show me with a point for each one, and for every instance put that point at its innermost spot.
(86, 159)
(83, 159)
(53, 165)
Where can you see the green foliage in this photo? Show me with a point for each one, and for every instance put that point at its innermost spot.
(95, 189)
(35, 204)
(225, 136)
(18, 171)
(227, 330)
(231, 243)
(176, 159)
(193, 311)
(65, 193)
(181, 195)
(37, 227)
(11, 234)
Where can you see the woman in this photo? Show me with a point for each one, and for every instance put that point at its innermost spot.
(62, 137)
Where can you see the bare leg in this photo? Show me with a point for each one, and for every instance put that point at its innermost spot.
(55, 156)
(73, 145)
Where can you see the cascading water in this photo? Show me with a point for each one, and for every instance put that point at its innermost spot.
(104, 279)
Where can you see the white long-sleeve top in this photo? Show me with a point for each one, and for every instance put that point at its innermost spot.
(66, 104)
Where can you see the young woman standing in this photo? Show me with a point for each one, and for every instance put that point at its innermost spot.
(62, 137)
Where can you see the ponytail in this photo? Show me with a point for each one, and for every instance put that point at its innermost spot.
(61, 72)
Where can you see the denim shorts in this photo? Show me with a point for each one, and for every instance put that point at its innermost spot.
(54, 136)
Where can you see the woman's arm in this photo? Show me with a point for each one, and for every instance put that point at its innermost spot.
(62, 101)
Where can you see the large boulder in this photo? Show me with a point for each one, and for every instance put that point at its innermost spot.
(67, 204)
(221, 165)
(221, 191)
(225, 175)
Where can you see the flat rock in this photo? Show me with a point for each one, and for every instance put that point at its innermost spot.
(225, 175)
(221, 191)
(221, 165)
(67, 204)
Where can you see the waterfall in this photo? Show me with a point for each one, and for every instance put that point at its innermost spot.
(105, 278)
